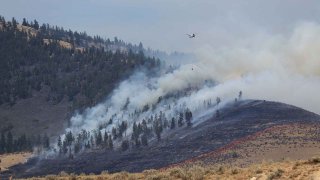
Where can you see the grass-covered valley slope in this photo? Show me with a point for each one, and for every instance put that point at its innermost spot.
(247, 132)
(286, 169)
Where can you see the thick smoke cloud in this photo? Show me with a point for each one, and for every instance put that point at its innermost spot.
(283, 68)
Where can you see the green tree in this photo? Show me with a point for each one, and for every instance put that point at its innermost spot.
(180, 120)
(98, 138)
(9, 142)
(218, 100)
(2, 143)
(14, 23)
(59, 144)
(46, 141)
(25, 22)
(188, 115)
(125, 145)
(105, 139)
(110, 142)
(144, 140)
(157, 126)
(114, 133)
(173, 123)
(69, 138)
(36, 24)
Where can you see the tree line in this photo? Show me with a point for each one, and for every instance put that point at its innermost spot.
(23, 143)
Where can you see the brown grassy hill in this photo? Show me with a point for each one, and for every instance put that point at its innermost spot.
(8, 160)
(296, 141)
(308, 169)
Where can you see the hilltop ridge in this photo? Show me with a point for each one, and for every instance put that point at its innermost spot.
(236, 122)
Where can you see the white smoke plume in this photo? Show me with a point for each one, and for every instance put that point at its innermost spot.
(283, 68)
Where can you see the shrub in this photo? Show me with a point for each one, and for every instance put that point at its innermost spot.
(196, 173)
(63, 174)
(315, 160)
(220, 170)
(104, 172)
(275, 174)
(149, 172)
(178, 173)
(259, 171)
(158, 176)
(121, 175)
(234, 171)
(50, 177)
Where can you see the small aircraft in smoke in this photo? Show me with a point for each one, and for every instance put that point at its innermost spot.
(191, 35)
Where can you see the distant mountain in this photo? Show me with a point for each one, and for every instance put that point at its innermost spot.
(47, 73)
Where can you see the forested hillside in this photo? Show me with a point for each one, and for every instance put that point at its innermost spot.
(68, 69)
(33, 57)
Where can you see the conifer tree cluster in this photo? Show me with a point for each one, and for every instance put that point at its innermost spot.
(11, 144)
(141, 133)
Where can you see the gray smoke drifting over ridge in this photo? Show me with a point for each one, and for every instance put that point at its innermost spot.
(283, 68)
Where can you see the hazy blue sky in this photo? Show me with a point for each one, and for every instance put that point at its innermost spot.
(162, 24)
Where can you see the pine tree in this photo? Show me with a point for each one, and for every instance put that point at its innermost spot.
(105, 139)
(180, 121)
(188, 115)
(24, 22)
(77, 147)
(125, 106)
(218, 100)
(46, 141)
(110, 142)
(36, 24)
(38, 141)
(114, 133)
(157, 126)
(14, 23)
(217, 113)
(2, 143)
(137, 142)
(240, 95)
(98, 138)
(144, 127)
(125, 145)
(59, 144)
(91, 141)
(69, 138)
(173, 123)
(144, 140)
(165, 123)
(135, 132)
(9, 143)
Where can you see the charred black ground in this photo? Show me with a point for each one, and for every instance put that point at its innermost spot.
(236, 121)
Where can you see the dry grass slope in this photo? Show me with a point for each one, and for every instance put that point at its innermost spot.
(308, 169)
(8, 160)
(295, 141)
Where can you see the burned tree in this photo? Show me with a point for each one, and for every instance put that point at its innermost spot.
(188, 115)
